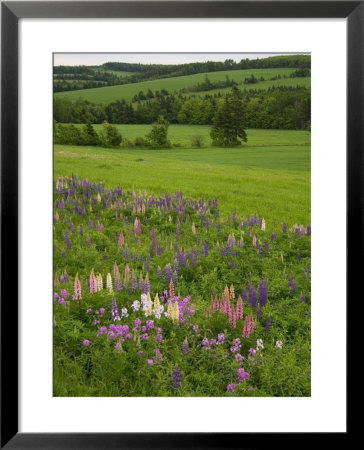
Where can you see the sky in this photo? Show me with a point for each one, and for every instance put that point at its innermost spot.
(95, 59)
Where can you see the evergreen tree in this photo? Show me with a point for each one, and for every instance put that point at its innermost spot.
(89, 134)
(110, 135)
(228, 129)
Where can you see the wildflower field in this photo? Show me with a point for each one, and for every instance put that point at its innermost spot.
(172, 295)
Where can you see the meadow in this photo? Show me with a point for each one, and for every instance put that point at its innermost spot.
(184, 271)
(110, 94)
(273, 180)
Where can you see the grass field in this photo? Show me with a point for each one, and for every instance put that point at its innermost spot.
(269, 176)
(127, 91)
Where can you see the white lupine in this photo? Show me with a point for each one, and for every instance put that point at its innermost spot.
(100, 283)
(263, 225)
(109, 283)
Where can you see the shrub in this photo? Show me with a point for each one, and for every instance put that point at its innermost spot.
(197, 140)
(157, 138)
(140, 142)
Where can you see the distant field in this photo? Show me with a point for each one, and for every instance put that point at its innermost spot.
(127, 91)
(272, 180)
(181, 134)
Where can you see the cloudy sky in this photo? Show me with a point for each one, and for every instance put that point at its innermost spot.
(95, 59)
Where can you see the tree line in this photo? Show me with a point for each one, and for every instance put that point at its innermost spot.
(144, 72)
(274, 108)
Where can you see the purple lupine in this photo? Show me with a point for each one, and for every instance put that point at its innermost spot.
(114, 310)
(268, 324)
(178, 229)
(206, 248)
(259, 312)
(159, 272)
(299, 255)
(81, 230)
(175, 277)
(303, 298)
(263, 297)
(168, 273)
(307, 271)
(284, 227)
(176, 377)
(308, 230)
(252, 295)
(147, 268)
(292, 284)
(245, 295)
(126, 253)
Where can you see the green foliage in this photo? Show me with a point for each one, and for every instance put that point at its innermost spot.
(197, 141)
(90, 136)
(229, 127)
(110, 135)
(158, 136)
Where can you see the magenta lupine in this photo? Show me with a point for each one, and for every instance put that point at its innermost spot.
(263, 296)
(86, 342)
(64, 293)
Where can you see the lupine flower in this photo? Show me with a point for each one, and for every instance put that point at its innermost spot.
(99, 282)
(67, 239)
(252, 351)
(279, 344)
(239, 357)
(114, 310)
(93, 282)
(120, 240)
(254, 243)
(64, 293)
(259, 312)
(77, 289)
(303, 298)
(185, 347)
(109, 283)
(292, 284)
(268, 324)
(171, 289)
(150, 362)
(86, 342)
(176, 377)
(249, 326)
(263, 293)
(252, 295)
(263, 225)
(284, 227)
(260, 344)
(168, 273)
(159, 272)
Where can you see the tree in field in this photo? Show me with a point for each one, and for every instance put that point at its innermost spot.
(157, 138)
(89, 135)
(110, 135)
(228, 128)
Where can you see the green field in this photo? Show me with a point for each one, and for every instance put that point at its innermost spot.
(127, 91)
(269, 176)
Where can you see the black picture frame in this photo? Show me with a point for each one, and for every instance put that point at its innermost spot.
(11, 12)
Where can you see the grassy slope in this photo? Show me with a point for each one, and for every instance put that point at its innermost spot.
(127, 91)
(271, 180)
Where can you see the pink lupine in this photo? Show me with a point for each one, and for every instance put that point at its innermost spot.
(127, 270)
(249, 326)
(232, 317)
(171, 289)
(93, 282)
(116, 271)
(77, 287)
(120, 240)
(239, 308)
(254, 240)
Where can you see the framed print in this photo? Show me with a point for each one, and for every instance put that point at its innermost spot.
(162, 166)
